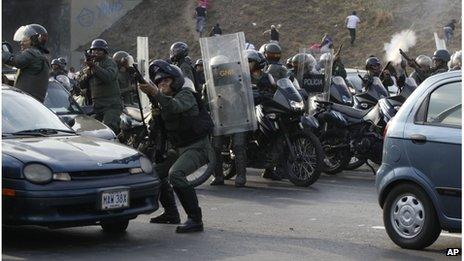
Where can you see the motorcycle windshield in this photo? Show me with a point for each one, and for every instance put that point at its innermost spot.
(409, 86)
(377, 90)
(286, 87)
(339, 90)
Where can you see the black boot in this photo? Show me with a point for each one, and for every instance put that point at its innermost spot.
(218, 170)
(240, 163)
(188, 199)
(168, 201)
(270, 173)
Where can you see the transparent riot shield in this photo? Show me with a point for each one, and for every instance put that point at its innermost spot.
(228, 84)
(314, 73)
(142, 63)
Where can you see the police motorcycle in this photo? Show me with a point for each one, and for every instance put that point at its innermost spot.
(351, 131)
(321, 86)
(277, 136)
(390, 106)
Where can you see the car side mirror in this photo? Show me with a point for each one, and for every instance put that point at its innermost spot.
(70, 122)
(6, 47)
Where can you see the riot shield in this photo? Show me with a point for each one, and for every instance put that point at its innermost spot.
(314, 73)
(142, 63)
(228, 84)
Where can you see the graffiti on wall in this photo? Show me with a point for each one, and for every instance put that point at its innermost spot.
(101, 11)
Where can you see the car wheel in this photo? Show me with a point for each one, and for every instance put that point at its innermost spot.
(410, 218)
(114, 227)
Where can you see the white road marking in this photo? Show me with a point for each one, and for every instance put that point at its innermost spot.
(442, 233)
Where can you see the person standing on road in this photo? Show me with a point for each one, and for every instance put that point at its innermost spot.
(352, 23)
(183, 116)
(273, 33)
(200, 15)
(100, 75)
(33, 65)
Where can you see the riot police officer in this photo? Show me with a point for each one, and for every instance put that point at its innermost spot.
(57, 68)
(456, 61)
(373, 70)
(33, 65)
(440, 61)
(421, 73)
(126, 84)
(100, 75)
(178, 55)
(272, 52)
(265, 86)
(181, 112)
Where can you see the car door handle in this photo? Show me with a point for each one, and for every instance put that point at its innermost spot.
(418, 138)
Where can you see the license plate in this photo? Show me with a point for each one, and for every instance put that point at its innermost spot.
(114, 199)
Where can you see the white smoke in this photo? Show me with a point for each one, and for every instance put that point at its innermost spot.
(402, 40)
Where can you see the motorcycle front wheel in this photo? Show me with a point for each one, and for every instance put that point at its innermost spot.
(305, 168)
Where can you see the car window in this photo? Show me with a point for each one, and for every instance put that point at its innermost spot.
(21, 112)
(59, 100)
(445, 105)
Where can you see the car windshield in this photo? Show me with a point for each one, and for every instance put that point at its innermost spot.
(21, 112)
(59, 100)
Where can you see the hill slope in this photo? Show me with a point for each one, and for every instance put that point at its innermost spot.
(302, 22)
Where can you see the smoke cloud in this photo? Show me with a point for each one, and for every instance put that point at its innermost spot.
(402, 40)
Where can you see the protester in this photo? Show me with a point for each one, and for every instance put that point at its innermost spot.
(215, 31)
(200, 15)
(352, 23)
(448, 30)
(274, 33)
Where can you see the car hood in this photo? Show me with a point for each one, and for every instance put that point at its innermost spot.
(72, 153)
(90, 127)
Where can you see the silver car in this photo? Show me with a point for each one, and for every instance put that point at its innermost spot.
(419, 181)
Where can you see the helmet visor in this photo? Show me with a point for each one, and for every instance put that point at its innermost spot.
(23, 33)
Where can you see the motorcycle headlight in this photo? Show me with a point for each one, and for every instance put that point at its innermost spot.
(38, 173)
(146, 165)
(297, 105)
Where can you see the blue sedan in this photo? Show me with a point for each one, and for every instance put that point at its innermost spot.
(419, 181)
(55, 178)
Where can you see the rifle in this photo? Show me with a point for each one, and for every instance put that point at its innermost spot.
(88, 56)
(139, 78)
(338, 51)
(410, 60)
(384, 68)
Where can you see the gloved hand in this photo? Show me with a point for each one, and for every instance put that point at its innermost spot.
(6, 56)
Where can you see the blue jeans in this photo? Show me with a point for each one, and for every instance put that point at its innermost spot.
(448, 34)
(200, 24)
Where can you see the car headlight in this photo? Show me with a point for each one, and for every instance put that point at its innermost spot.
(145, 165)
(38, 173)
(297, 105)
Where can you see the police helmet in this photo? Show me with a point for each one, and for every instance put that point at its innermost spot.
(272, 51)
(99, 44)
(257, 57)
(456, 59)
(198, 62)
(121, 56)
(178, 51)
(424, 61)
(159, 70)
(442, 55)
(371, 62)
(42, 34)
(304, 59)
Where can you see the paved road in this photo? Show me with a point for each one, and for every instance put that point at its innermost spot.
(337, 218)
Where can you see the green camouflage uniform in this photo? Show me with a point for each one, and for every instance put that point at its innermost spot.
(102, 80)
(32, 75)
